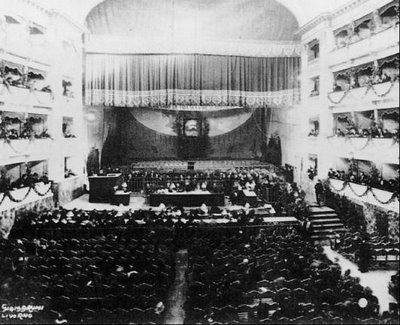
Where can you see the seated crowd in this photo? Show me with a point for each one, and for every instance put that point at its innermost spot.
(11, 77)
(96, 280)
(367, 250)
(26, 133)
(372, 132)
(27, 179)
(254, 179)
(365, 80)
(391, 185)
(245, 275)
(272, 276)
(60, 220)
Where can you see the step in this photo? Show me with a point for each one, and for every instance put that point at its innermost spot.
(325, 216)
(320, 209)
(332, 225)
(313, 221)
(325, 213)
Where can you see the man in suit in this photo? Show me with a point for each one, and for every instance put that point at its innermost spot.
(319, 190)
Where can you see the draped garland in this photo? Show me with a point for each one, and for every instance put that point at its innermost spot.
(393, 198)
(369, 87)
(30, 188)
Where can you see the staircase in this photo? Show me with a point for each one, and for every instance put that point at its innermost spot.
(324, 221)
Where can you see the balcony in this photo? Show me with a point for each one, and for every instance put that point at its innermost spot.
(374, 149)
(21, 150)
(25, 97)
(383, 199)
(373, 43)
(359, 97)
(25, 196)
(25, 46)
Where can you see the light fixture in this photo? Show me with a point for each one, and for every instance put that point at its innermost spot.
(90, 117)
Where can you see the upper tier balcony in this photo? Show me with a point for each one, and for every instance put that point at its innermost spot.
(373, 149)
(22, 150)
(362, 47)
(363, 97)
(25, 97)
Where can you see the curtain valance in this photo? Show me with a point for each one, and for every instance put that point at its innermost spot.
(181, 79)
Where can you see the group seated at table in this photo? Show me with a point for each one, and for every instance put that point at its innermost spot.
(152, 180)
(272, 276)
(63, 220)
(391, 185)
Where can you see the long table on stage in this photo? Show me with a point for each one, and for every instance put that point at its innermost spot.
(187, 199)
(101, 188)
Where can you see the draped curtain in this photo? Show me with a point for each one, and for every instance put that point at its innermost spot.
(165, 80)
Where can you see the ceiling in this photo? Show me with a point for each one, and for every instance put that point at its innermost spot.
(303, 10)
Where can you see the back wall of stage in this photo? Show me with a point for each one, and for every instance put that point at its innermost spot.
(124, 135)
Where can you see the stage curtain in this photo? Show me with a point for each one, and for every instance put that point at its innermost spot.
(167, 80)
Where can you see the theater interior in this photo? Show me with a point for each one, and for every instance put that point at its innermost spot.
(199, 162)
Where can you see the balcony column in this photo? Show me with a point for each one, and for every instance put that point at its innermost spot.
(56, 161)
(326, 122)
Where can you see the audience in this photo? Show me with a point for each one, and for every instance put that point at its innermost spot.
(27, 179)
(270, 276)
(373, 132)
(361, 178)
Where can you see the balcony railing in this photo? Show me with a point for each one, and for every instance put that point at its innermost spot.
(365, 194)
(14, 151)
(386, 90)
(375, 149)
(16, 198)
(22, 96)
(369, 44)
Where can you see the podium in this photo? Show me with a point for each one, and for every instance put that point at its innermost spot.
(101, 188)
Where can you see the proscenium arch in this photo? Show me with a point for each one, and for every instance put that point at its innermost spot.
(256, 20)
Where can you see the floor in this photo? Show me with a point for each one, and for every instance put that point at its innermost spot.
(175, 313)
(378, 281)
(82, 202)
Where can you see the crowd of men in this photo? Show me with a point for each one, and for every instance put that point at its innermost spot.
(27, 179)
(361, 178)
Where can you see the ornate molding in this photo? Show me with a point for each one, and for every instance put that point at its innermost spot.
(197, 98)
(123, 45)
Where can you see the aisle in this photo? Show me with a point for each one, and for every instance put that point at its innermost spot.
(378, 281)
(175, 313)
